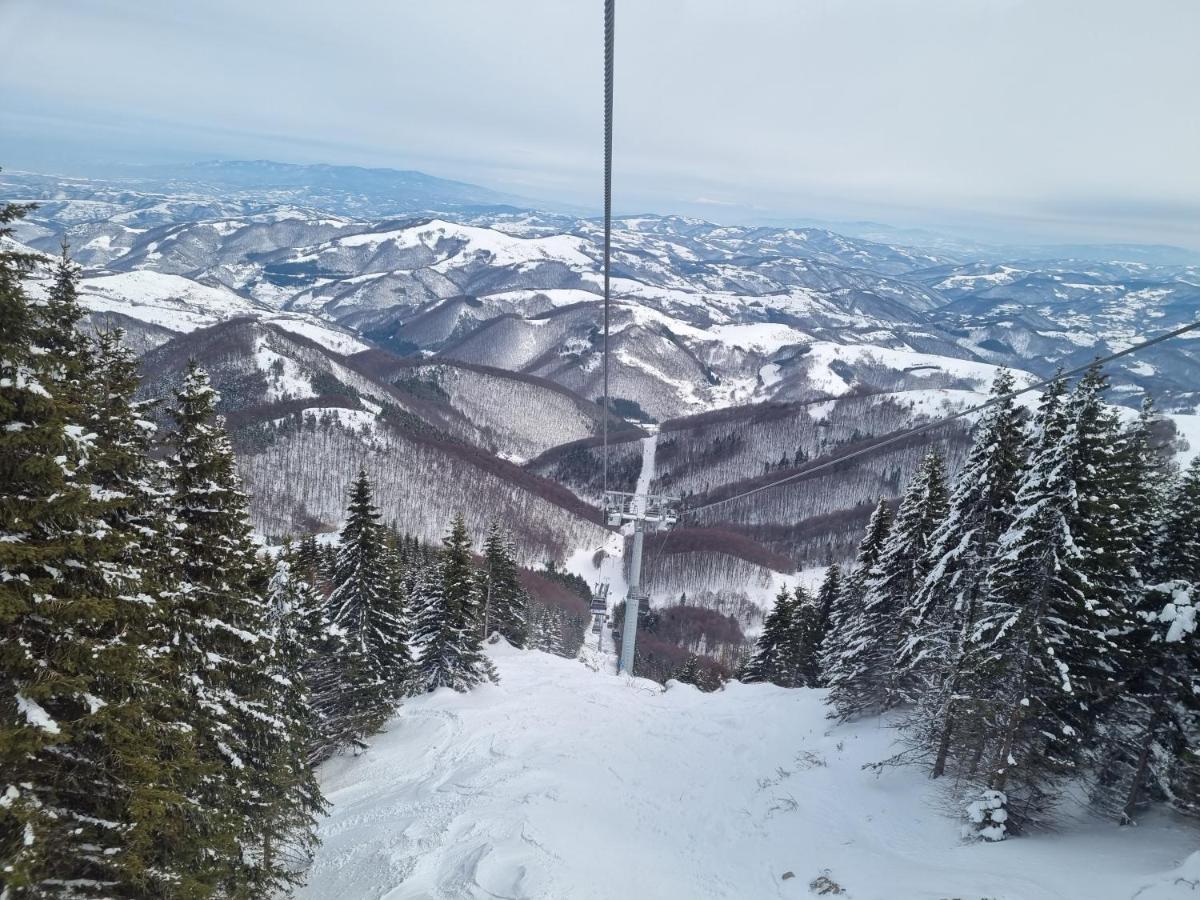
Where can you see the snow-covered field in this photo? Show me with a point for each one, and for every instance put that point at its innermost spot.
(562, 782)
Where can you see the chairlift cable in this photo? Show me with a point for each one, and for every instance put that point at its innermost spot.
(609, 33)
(930, 426)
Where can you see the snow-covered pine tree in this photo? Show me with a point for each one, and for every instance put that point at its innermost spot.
(310, 564)
(291, 837)
(773, 651)
(867, 678)
(373, 648)
(1177, 561)
(60, 336)
(1043, 653)
(1150, 735)
(1002, 654)
(945, 604)
(505, 601)
(1177, 548)
(223, 642)
(838, 655)
(399, 591)
(449, 619)
(806, 634)
(135, 502)
(826, 601)
(89, 791)
(546, 632)
(326, 680)
(1114, 512)
(689, 672)
(327, 556)
(906, 561)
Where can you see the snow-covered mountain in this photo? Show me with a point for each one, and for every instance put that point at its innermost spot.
(305, 419)
(430, 328)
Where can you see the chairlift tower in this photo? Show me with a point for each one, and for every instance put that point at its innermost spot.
(653, 512)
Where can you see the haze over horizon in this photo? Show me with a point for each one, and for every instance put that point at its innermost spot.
(1004, 120)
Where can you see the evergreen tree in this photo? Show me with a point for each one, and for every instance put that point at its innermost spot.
(805, 639)
(866, 679)
(399, 591)
(337, 721)
(310, 564)
(505, 600)
(773, 654)
(327, 556)
(59, 336)
(906, 562)
(826, 602)
(87, 776)
(547, 630)
(945, 605)
(1045, 649)
(290, 837)
(449, 620)
(223, 642)
(689, 672)
(838, 655)
(1177, 549)
(1150, 735)
(368, 614)
(1112, 524)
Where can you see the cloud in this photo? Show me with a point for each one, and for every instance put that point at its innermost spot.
(1071, 118)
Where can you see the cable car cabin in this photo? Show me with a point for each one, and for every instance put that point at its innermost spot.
(599, 606)
(597, 624)
(643, 607)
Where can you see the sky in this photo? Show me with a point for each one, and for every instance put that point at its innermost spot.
(1071, 120)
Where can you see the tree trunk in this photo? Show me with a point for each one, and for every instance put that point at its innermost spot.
(943, 750)
(1143, 763)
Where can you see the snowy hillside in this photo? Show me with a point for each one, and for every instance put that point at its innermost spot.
(563, 782)
(304, 420)
(759, 350)
(707, 315)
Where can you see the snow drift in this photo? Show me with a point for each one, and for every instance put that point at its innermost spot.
(562, 782)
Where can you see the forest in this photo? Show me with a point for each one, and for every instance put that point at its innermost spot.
(172, 684)
(1030, 624)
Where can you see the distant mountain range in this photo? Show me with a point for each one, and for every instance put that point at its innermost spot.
(452, 337)
(347, 190)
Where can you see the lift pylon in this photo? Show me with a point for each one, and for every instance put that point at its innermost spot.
(653, 512)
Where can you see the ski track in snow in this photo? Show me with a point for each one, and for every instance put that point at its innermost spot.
(563, 782)
(646, 475)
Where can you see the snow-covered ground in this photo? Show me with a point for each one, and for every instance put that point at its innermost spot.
(1189, 430)
(563, 783)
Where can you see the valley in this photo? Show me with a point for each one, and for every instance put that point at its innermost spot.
(444, 341)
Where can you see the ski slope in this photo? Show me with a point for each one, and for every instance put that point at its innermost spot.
(563, 783)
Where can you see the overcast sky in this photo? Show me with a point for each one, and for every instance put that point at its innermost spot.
(1061, 119)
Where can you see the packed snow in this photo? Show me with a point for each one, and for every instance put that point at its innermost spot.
(563, 782)
(1188, 427)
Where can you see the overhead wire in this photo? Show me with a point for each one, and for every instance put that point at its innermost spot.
(609, 36)
(907, 434)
